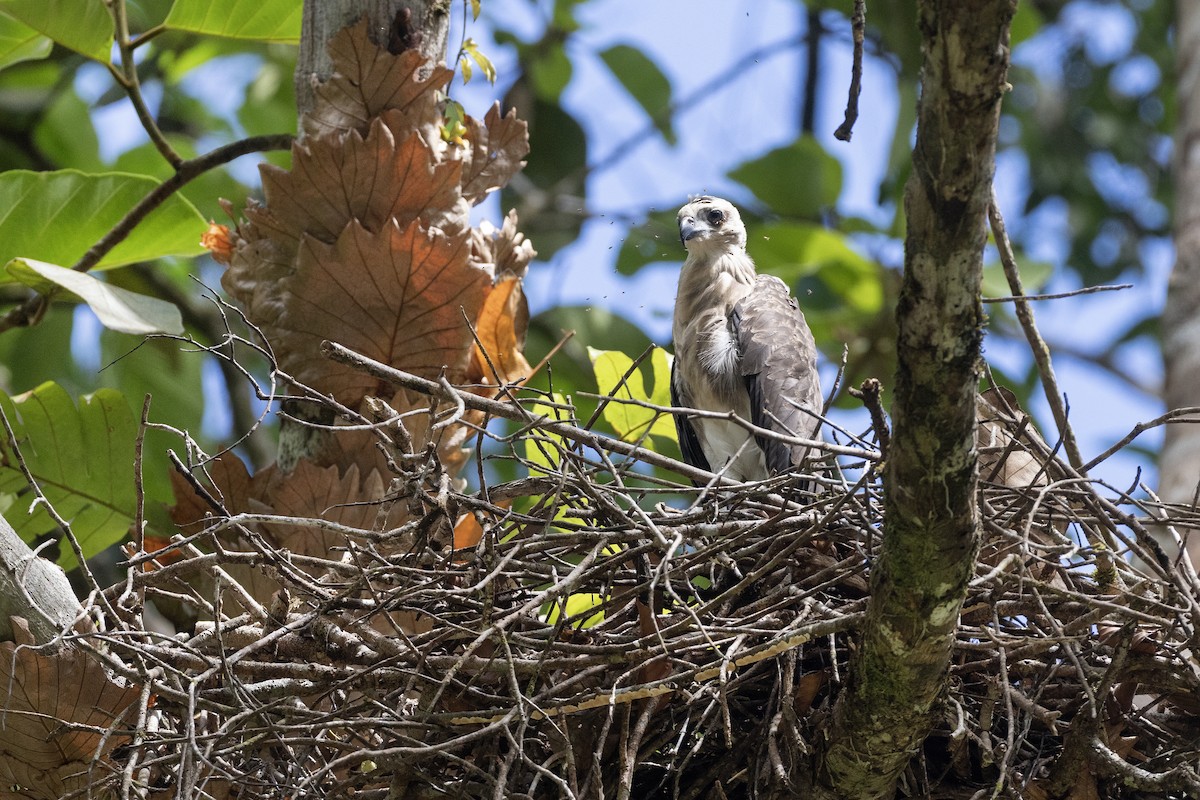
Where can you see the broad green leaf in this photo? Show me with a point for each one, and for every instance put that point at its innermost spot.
(262, 20)
(1026, 22)
(798, 180)
(56, 216)
(655, 240)
(34, 354)
(66, 136)
(560, 167)
(642, 78)
(81, 458)
(84, 26)
(793, 250)
(19, 42)
(117, 309)
(632, 422)
(203, 191)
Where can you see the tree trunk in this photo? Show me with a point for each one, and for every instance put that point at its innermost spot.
(1179, 467)
(396, 25)
(427, 23)
(931, 529)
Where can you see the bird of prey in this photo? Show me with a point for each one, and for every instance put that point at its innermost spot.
(741, 345)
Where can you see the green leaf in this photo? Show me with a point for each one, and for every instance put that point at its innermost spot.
(655, 240)
(82, 459)
(19, 42)
(550, 72)
(57, 216)
(794, 250)
(799, 180)
(262, 20)
(66, 136)
(642, 78)
(471, 48)
(476, 7)
(558, 150)
(172, 376)
(35, 354)
(576, 605)
(118, 309)
(633, 422)
(84, 26)
(1026, 22)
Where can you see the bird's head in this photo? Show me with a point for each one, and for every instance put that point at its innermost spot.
(711, 224)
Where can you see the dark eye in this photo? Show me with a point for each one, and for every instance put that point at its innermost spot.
(715, 216)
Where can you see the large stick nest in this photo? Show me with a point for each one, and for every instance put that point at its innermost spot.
(614, 634)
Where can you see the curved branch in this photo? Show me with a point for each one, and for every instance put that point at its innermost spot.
(29, 312)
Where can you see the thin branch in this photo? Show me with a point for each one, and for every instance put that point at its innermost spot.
(858, 24)
(1025, 298)
(127, 78)
(1041, 353)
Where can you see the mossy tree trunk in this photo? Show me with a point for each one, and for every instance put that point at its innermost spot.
(931, 529)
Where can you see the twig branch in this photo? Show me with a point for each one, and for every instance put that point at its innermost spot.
(858, 25)
(1041, 353)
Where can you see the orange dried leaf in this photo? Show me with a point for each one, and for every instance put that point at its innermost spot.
(216, 240)
(467, 532)
(501, 326)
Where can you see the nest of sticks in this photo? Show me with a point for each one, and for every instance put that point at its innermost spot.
(614, 633)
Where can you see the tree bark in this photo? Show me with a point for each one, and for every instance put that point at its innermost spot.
(931, 528)
(33, 588)
(1179, 467)
(427, 20)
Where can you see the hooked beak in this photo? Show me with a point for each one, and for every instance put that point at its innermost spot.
(687, 230)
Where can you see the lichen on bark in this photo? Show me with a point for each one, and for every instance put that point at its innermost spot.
(931, 523)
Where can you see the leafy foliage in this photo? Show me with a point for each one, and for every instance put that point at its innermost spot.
(82, 460)
(56, 216)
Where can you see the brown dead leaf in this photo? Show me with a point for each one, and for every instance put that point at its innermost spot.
(389, 175)
(229, 483)
(1003, 459)
(807, 687)
(498, 145)
(501, 325)
(312, 492)
(501, 251)
(369, 80)
(396, 296)
(57, 713)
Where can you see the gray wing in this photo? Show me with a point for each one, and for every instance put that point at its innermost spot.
(689, 442)
(779, 366)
